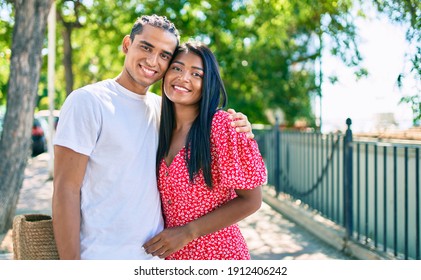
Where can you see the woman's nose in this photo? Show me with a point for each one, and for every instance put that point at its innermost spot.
(184, 76)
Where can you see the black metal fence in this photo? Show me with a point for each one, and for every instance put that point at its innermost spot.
(371, 188)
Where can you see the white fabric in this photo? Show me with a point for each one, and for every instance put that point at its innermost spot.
(120, 204)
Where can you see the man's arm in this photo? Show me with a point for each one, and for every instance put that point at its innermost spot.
(241, 123)
(69, 170)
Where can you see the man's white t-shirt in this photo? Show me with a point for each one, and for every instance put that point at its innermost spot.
(120, 204)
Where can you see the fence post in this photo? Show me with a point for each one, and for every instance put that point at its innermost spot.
(348, 153)
(277, 132)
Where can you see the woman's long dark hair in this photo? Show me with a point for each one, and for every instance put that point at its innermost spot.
(214, 97)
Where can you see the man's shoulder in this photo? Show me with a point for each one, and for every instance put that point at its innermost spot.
(155, 97)
(105, 84)
(93, 89)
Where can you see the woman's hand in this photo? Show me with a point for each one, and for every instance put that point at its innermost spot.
(241, 123)
(168, 241)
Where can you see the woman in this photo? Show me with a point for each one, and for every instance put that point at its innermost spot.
(209, 176)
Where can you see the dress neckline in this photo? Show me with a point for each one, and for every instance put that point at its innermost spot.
(175, 157)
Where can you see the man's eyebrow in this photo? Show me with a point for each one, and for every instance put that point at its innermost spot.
(195, 67)
(146, 43)
(152, 46)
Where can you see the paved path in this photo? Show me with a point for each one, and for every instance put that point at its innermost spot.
(269, 235)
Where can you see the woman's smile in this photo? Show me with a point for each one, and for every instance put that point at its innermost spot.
(181, 89)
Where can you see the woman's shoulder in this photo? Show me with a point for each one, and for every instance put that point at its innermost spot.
(222, 128)
(221, 118)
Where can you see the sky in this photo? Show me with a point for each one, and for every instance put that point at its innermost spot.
(383, 47)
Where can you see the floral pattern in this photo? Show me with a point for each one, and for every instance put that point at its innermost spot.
(236, 164)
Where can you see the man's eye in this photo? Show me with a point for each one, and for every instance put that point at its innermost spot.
(165, 56)
(146, 48)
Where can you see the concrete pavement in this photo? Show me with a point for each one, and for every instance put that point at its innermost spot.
(269, 234)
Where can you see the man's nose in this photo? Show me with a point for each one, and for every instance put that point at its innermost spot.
(152, 59)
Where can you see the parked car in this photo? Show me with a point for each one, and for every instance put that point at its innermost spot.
(44, 114)
(39, 140)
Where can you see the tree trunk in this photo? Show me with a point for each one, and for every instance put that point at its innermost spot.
(67, 57)
(68, 27)
(25, 66)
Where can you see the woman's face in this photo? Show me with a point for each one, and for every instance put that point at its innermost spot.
(183, 80)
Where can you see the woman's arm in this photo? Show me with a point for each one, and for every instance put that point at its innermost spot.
(171, 240)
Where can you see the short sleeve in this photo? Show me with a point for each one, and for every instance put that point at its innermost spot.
(79, 123)
(238, 158)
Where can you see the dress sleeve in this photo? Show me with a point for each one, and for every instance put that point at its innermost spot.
(238, 158)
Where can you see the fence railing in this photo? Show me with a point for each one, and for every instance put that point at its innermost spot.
(371, 188)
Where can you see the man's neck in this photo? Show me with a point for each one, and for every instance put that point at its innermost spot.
(131, 85)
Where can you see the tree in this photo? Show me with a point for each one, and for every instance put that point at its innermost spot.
(69, 21)
(28, 39)
(266, 48)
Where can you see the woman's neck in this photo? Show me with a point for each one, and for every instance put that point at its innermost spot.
(185, 116)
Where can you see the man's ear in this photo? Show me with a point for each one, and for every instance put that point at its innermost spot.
(126, 44)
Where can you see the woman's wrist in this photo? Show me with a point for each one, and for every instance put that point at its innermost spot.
(191, 231)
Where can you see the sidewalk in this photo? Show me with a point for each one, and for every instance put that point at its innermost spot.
(269, 235)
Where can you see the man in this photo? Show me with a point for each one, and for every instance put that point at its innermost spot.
(105, 202)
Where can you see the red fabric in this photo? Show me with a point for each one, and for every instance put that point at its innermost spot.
(236, 164)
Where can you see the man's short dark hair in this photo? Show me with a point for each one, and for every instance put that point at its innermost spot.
(156, 21)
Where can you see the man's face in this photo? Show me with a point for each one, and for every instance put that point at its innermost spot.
(147, 58)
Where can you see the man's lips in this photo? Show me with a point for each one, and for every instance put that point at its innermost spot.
(148, 72)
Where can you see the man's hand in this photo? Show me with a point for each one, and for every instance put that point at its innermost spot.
(241, 123)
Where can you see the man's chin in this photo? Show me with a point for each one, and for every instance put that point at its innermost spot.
(147, 82)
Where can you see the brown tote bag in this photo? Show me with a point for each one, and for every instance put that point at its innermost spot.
(33, 238)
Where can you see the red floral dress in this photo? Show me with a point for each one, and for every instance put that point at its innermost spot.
(236, 164)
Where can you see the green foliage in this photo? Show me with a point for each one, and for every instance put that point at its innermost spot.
(267, 49)
(6, 29)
